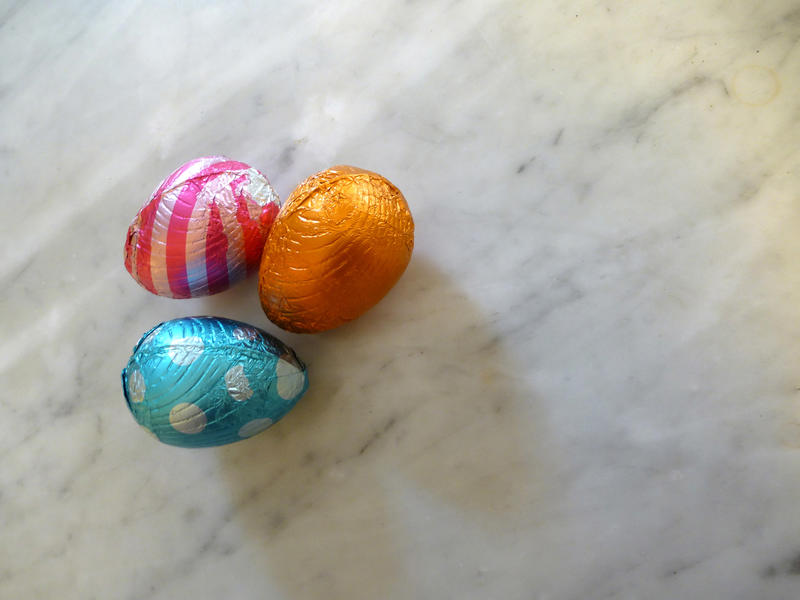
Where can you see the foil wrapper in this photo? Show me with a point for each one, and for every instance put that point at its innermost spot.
(202, 230)
(208, 381)
(338, 245)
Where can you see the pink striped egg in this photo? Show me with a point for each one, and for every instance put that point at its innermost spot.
(202, 230)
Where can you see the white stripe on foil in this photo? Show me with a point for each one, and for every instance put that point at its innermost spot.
(196, 273)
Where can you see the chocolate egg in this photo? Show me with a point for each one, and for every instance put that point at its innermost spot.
(202, 230)
(207, 381)
(338, 245)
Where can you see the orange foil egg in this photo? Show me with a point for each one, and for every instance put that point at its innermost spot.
(338, 245)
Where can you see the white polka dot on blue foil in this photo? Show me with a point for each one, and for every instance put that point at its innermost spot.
(237, 384)
(290, 379)
(187, 418)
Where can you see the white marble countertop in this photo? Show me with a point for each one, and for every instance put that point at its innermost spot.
(586, 384)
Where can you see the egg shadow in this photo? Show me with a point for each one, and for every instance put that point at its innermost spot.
(418, 402)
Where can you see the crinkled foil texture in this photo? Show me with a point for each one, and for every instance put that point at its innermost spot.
(202, 230)
(340, 242)
(208, 381)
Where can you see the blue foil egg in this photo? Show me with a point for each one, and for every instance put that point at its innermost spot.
(208, 381)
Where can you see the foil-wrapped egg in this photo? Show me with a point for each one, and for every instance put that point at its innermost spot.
(208, 381)
(338, 245)
(202, 230)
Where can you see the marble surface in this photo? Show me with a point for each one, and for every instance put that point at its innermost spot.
(584, 386)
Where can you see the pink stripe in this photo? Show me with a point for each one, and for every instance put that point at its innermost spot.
(254, 235)
(235, 256)
(146, 217)
(196, 249)
(130, 250)
(158, 242)
(176, 240)
(216, 250)
(267, 218)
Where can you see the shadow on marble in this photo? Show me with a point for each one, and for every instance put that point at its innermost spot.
(414, 409)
